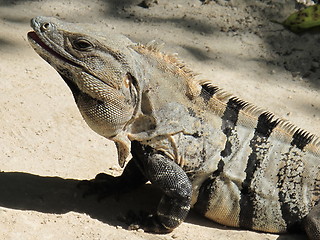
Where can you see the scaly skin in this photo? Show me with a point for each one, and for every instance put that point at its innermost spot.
(204, 148)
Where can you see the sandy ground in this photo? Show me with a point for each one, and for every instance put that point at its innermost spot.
(46, 148)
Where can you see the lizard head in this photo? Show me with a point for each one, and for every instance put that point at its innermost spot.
(96, 69)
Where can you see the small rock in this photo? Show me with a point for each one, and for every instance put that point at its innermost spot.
(223, 29)
(175, 236)
(147, 3)
(295, 74)
(133, 227)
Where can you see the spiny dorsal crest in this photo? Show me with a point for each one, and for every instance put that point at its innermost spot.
(219, 100)
(170, 63)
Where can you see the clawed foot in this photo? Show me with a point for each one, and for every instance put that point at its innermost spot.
(146, 221)
(103, 185)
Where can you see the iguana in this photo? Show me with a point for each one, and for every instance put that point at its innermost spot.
(236, 164)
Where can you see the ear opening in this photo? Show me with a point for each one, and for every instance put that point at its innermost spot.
(146, 106)
(132, 83)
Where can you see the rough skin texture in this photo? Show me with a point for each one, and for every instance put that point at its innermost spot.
(236, 164)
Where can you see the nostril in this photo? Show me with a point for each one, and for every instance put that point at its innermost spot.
(45, 26)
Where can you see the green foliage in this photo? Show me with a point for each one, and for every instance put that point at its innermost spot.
(304, 19)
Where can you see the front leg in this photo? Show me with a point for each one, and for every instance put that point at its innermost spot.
(172, 180)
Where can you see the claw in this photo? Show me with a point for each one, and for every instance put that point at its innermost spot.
(102, 185)
(146, 221)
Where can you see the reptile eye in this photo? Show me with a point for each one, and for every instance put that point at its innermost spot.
(82, 44)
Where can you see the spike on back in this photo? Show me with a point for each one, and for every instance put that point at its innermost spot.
(154, 48)
(220, 98)
(171, 63)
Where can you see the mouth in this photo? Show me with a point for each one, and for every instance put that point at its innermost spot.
(34, 37)
(46, 53)
(39, 44)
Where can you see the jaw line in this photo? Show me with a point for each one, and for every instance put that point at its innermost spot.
(40, 46)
